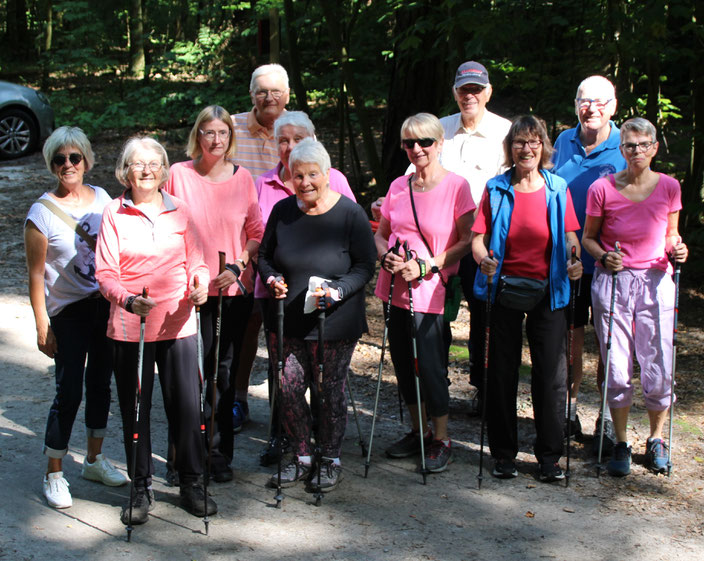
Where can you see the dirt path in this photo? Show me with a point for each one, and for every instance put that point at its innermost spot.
(390, 515)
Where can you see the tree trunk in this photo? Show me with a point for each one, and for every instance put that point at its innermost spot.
(274, 36)
(49, 28)
(137, 62)
(331, 13)
(418, 83)
(294, 66)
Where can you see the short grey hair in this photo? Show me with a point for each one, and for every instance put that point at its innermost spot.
(265, 70)
(122, 167)
(310, 151)
(294, 119)
(640, 125)
(68, 137)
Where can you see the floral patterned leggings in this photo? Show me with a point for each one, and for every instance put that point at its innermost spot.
(301, 372)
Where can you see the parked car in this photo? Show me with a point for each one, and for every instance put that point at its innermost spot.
(26, 118)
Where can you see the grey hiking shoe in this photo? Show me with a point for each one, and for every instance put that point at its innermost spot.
(291, 473)
(330, 476)
(142, 505)
(438, 457)
(656, 455)
(409, 445)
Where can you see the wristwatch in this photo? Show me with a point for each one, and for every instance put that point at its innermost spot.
(433, 267)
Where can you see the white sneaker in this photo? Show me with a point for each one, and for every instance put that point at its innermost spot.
(102, 471)
(56, 490)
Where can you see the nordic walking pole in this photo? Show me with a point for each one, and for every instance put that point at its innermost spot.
(201, 377)
(485, 374)
(570, 353)
(354, 412)
(412, 316)
(606, 364)
(678, 268)
(277, 385)
(135, 430)
(381, 363)
(321, 368)
(216, 363)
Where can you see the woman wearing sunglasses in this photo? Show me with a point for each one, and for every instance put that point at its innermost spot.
(431, 210)
(637, 208)
(70, 314)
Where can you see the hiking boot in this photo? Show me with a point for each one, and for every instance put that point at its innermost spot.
(171, 477)
(620, 464)
(56, 490)
(505, 469)
(193, 500)
(276, 446)
(102, 471)
(409, 445)
(222, 474)
(142, 505)
(551, 472)
(609, 438)
(576, 429)
(291, 473)
(240, 415)
(330, 475)
(656, 455)
(439, 455)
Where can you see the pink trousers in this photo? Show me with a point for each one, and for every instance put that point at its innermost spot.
(643, 322)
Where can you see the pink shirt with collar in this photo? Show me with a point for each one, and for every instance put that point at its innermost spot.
(162, 252)
(271, 189)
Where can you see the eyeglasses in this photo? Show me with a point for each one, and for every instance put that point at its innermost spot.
(60, 159)
(263, 94)
(585, 102)
(520, 144)
(632, 147)
(422, 142)
(210, 135)
(141, 166)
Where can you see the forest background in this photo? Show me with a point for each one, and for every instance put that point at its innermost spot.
(359, 67)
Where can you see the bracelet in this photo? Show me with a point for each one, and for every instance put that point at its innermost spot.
(603, 259)
(382, 259)
(244, 265)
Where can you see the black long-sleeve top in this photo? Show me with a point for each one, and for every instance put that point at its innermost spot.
(337, 245)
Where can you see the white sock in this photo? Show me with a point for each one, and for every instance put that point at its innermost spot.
(607, 414)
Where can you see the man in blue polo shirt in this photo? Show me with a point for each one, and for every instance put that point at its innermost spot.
(583, 155)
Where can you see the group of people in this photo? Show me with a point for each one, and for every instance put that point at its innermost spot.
(257, 221)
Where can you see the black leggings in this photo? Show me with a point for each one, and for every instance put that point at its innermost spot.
(432, 359)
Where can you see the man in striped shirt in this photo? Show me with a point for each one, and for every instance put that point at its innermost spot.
(254, 130)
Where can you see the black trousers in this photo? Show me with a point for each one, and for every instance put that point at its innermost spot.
(546, 337)
(180, 385)
(432, 359)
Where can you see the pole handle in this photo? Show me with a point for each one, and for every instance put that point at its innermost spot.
(221, 256)
(195, 285)
(573, 257)
(145, 294)
(490, 278)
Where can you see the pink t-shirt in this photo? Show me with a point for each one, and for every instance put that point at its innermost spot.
(438, 211)
(640, 227)
(163, 253)
(270, 190)
(226, 215)
(528, 244)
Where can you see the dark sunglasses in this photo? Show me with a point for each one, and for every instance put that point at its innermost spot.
(60, 159)
(422, 142)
